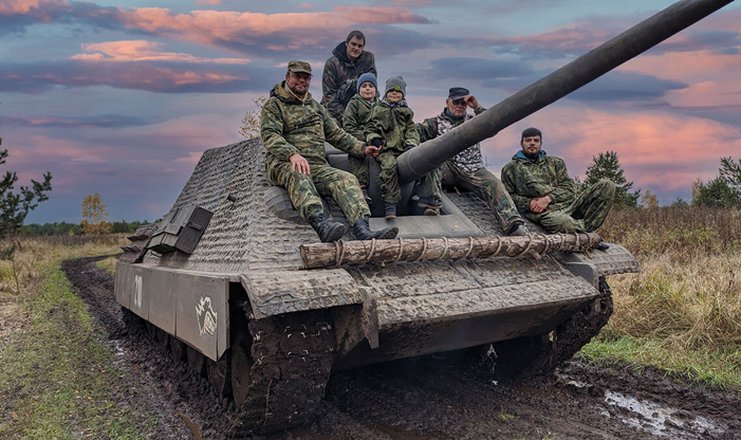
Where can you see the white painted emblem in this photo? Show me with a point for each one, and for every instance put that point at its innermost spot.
(207, 317)
(138, 291)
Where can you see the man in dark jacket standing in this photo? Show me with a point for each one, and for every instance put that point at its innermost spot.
(544, 192)
(341, 71)
(293, 129)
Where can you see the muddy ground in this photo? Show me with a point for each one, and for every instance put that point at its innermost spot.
(435, 397)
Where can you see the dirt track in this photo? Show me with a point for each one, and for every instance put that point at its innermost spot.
(431, 397)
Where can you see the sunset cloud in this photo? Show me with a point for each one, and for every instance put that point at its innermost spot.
(161, 77)
(142, 50)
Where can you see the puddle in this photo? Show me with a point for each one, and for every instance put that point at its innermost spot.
(660, 420)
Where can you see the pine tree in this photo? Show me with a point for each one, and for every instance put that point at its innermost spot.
(14, 206)
(724, 191)
(607, 166)
(730, 171)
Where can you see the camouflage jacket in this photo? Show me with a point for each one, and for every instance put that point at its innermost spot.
(357, 113)
(525, 179)
(470, 159)
(394, 124)
(338, 79)
(289, 125)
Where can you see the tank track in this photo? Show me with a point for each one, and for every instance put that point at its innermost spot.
(274, 375)
(282, 381)
(541, 354)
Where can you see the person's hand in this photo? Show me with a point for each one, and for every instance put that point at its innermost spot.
(472, 102)
(371, 150)
(299, 164)
(540, 204)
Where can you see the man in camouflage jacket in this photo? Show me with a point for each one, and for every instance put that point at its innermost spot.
(293, 128)
(466, 169)
(342, 69)
(544, 192)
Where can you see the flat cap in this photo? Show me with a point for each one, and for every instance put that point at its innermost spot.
(299, 66)
(458, 93)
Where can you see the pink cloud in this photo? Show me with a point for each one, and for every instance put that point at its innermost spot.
(208, 2)
(141, 50)
(573, 37)
(9, 7)
(210, 26)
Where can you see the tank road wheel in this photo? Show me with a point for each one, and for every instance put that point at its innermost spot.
(218, 375)
(177, 347)
(196, 361)
(531, 355)
(279, 377)
(241, 362)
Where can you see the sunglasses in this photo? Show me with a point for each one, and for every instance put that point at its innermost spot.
(459, 101)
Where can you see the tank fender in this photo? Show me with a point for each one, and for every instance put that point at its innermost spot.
(355, 323)
(285, 291)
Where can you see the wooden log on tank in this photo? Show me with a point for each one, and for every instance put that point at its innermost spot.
(319, 255)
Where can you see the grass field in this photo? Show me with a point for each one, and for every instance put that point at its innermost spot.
(54, 369)
(682, 312)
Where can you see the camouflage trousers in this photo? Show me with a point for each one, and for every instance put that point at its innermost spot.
(585, 213)
(390, 190)
(359, 169)
(482, 183)
(305, 190)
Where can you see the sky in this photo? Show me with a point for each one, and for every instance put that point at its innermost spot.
(121, 98)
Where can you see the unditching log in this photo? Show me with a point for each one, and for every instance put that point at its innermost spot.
(338, 253)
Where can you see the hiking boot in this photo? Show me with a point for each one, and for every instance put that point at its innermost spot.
(367, 196)
(432, 211)
(430, 202)
(362, 231)
(327, 231)
(602, 246)
(390, 212)
(518, 230)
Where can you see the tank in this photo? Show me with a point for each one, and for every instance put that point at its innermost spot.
(223, 279)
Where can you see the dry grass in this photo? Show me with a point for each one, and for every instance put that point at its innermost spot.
(36, 251)
(686, 301)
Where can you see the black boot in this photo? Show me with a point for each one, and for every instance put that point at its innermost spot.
(328, 231)
(362, 231)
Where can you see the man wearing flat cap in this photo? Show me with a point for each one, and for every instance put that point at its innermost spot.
(294, 128)
(466, 169)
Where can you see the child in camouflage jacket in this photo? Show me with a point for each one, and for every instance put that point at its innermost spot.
(391, 126)
(355, 121)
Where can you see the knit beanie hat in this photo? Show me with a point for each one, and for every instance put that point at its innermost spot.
(396, 83)
(367, 77)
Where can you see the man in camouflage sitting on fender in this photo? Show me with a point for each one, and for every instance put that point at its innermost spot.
(293, 128)
(544, 192)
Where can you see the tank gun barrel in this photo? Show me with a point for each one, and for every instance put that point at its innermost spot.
(417, 162)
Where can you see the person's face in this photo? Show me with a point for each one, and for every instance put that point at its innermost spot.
(354, 47)
(367, 90)
(298, 82)
(457, 107)
(394, 96)
(530, 145)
